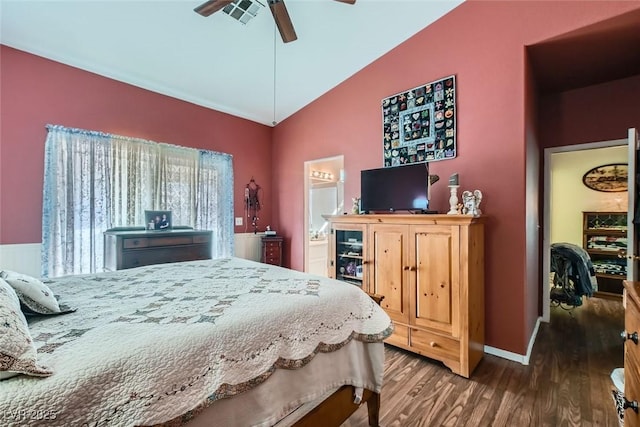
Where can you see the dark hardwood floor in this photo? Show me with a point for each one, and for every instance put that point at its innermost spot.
(567, 382)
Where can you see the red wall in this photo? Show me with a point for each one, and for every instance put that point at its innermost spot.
(36, 91)
(483, 44)
(598, 113)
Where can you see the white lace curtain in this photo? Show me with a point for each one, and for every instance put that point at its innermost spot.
(94, 181)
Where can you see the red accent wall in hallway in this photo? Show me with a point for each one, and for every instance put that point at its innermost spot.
(483, 44)
(598, 113)
(37, 91)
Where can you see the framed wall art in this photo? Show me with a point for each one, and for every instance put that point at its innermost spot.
(419, 125)
(607, 178)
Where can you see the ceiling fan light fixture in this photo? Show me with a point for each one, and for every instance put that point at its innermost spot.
(243, 10)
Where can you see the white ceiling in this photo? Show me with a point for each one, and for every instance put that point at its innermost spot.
(217, 62)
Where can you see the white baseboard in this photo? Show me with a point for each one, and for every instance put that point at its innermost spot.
(520, 358)
(24, 258)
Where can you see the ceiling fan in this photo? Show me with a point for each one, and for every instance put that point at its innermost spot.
(278, 10)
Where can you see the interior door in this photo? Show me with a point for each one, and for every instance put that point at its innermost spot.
(633, 211)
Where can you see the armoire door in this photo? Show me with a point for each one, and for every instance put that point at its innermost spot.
(388, 246)
(435, 285)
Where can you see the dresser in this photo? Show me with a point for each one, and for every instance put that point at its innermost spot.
(128, 249)
(631, 354)
(272, 250)
(429, 270)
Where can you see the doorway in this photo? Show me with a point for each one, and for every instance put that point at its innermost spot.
(323, 195)
(566, 197)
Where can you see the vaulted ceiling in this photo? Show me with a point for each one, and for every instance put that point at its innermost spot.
(217, 62)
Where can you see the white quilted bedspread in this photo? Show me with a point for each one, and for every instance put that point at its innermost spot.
(157, 344)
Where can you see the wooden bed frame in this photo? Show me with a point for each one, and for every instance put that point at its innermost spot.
(338, 407)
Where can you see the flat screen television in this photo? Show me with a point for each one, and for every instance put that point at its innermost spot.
(399, 188)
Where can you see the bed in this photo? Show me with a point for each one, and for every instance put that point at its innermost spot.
(218, 342)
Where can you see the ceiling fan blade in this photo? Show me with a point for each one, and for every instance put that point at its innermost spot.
(347, 1)
(212, 6)
(283, 21)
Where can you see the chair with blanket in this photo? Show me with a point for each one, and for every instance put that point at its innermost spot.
(574, 275)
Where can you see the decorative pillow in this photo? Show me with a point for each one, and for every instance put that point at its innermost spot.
(35, 297)
(17, 352)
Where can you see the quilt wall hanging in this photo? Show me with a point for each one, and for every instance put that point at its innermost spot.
(420, 124)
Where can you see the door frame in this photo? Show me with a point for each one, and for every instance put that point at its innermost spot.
(305, 210)
(546, 230)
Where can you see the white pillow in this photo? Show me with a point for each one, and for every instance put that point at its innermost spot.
(18, 354)
(35, 296)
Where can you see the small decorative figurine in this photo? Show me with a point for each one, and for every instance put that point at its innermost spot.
(471, 203)
(355, 208)
(478, 195)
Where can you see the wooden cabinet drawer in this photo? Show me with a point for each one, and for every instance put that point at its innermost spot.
(631, 321)
(139, 242)
(170, 241)
(205, 238)
(434, 345)
(400, 336)
(631, 382)
(159, 255)
(631, 361)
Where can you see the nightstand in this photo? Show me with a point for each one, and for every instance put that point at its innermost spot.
(272, 250)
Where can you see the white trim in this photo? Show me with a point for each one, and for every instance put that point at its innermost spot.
(546, 244)
(24, 258)
(305, 210)
(515, 357)
(520, 358)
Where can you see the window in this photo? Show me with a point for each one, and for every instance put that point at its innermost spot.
(95, 181)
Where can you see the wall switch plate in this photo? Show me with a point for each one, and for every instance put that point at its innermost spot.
(238, 220)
